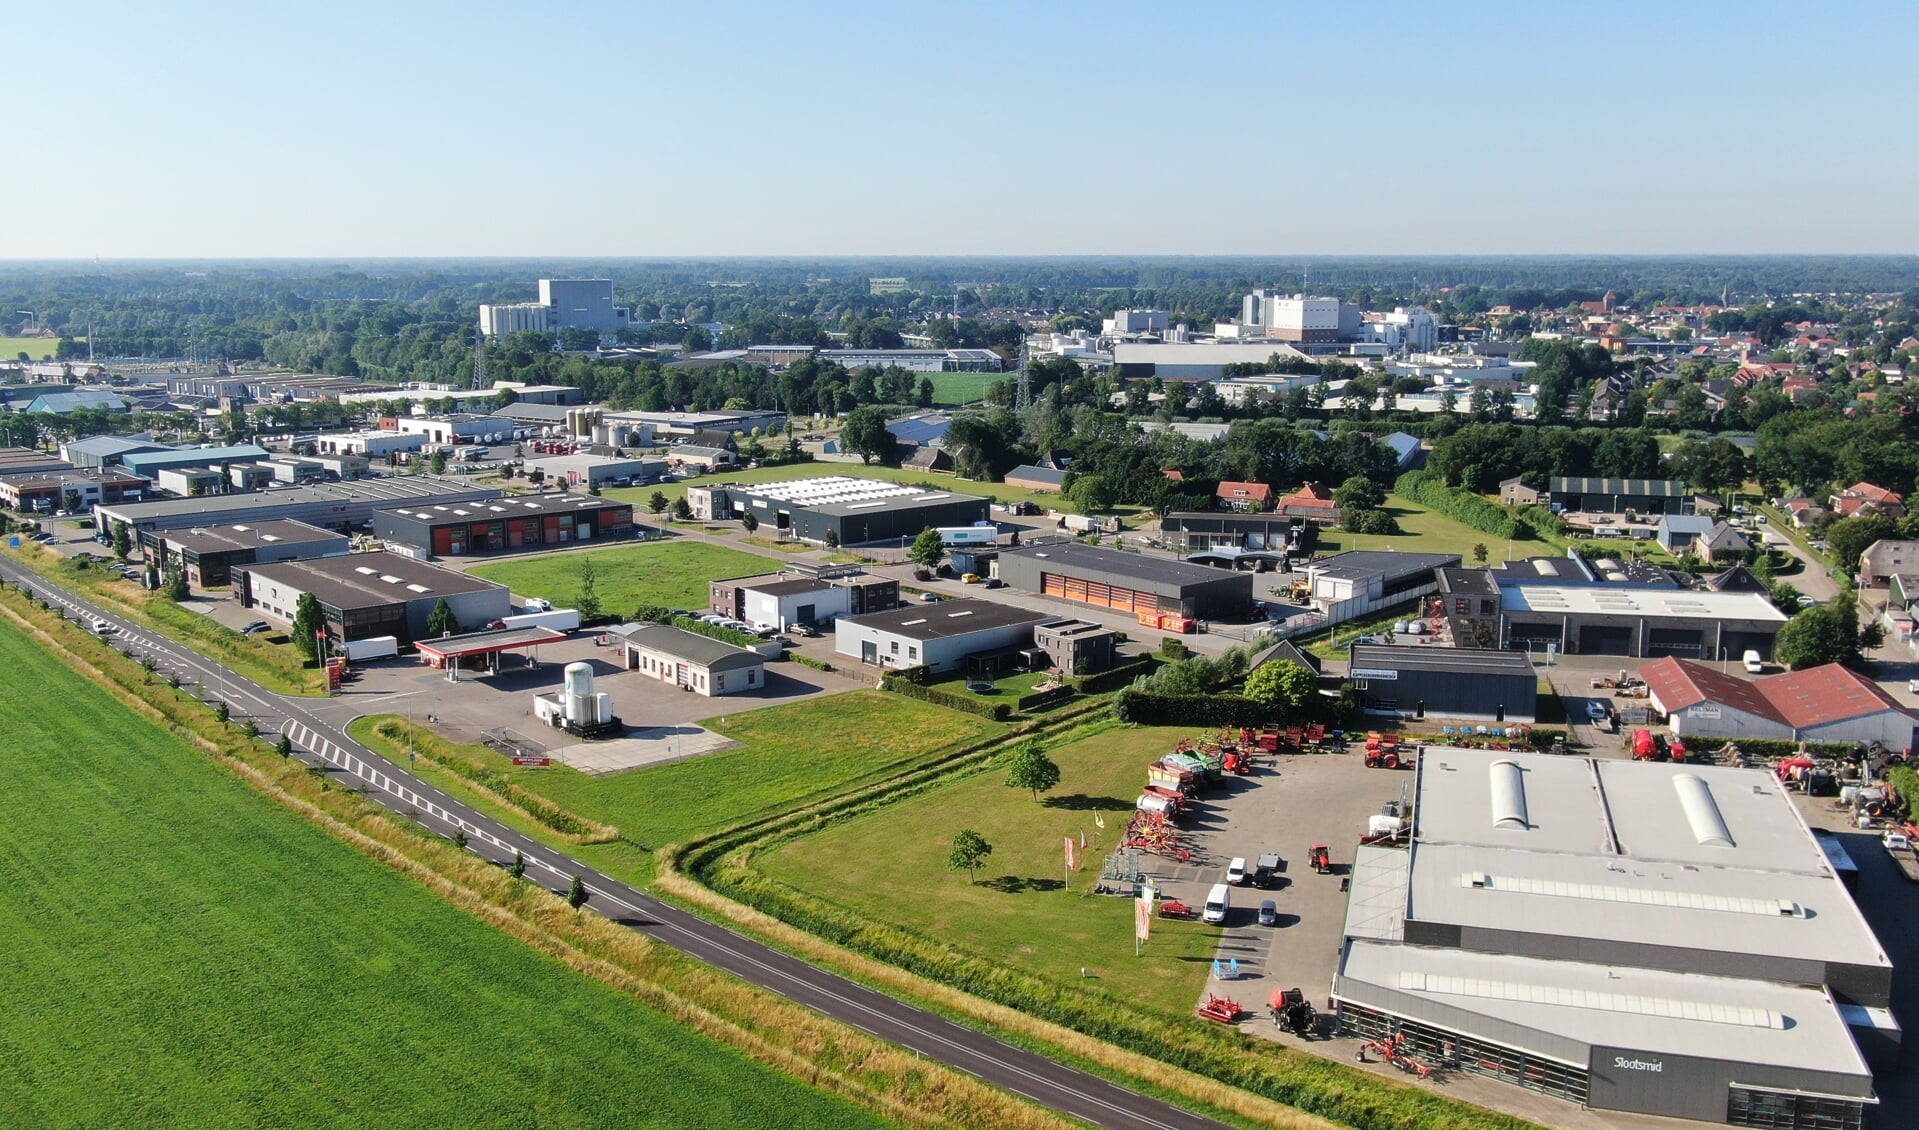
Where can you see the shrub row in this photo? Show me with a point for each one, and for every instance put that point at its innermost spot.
(1905, 786)
(997, 711)
(1430, 490)
(1149, 708)
(1044, 698)
(1111, 679)
(809, 661)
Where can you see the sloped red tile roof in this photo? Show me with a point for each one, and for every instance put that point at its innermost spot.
(1799, 699)
(1259, 492)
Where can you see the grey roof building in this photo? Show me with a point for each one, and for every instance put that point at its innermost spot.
(1642, 496)
(941, 635)
(368, 595)
(346, 505)
(1443, 682)
(1127, 582)
(1667, 939)
(106, 451)
(851, 511)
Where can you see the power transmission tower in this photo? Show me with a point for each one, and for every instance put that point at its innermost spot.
(479, 360)
(1025, 378)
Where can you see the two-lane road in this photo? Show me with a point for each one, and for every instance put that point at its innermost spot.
(1044, 1081)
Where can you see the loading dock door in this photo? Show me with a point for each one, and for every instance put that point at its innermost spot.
(1595, 639)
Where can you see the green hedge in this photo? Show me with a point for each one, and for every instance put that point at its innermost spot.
(1148, 708)
(1430, 490)
(1044, 698)
(1905, 786)
(997, 711)
(809, 661)
(1111, 679)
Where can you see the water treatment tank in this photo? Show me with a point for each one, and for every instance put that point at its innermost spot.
(578, 693)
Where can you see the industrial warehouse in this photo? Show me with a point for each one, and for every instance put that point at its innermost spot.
(1660, 938)
(209, 555)
(334, 506)
(1171, 594)
(1636, 621)
(940, 636)
(367, 595)
(839, 510)
(464, 529)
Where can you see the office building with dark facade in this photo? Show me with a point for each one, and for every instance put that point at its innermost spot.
(503, 525)
(1441, 682)
(1202, 529)
(1614, 496)
(1656, 938)
(209, 554)
(368, 595)
(1127, 582)
(839, 509)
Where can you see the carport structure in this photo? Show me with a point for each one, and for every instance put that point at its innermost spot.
(454, 652)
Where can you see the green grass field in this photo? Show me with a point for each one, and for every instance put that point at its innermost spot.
(790, 754)
(36, 348)
(670, 573)
(180, 951)
(892, 865)
(1428, 531)
(962, 388)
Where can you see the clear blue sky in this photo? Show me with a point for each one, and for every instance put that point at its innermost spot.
(604, 129)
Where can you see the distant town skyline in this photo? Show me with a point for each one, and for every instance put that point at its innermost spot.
(212, 130)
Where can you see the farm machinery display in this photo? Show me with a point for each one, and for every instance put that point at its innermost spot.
(1392, 1050)
(1383, 751)
(1292, 1012)
(1224, 1010)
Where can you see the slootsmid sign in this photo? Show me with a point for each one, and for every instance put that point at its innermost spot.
(1625, 1064)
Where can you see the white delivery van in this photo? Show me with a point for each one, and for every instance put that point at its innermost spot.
(1753, 663)
(1236, 871)
(1219, 900)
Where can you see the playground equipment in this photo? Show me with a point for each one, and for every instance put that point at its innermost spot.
(1225, 1010)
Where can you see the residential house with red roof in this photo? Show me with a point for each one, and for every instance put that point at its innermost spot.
(1867, 498)
(1820, 704)
(1255, 498)
(1313, 502)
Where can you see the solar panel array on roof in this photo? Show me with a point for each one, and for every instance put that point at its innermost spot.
(831, 489)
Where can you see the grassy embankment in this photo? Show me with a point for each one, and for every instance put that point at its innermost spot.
(201, 956)
(790, 755)
(268, 658)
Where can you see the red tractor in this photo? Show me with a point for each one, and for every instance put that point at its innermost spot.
(1320, 858)
(1382, 752)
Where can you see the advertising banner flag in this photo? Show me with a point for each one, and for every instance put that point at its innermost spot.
(1069, 854)
(1143, 917)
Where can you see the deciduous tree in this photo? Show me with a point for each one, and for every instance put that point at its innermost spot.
(970, 850)
(1032, 769)
(927, 549)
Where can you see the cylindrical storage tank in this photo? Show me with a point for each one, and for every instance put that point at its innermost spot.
(578, 692)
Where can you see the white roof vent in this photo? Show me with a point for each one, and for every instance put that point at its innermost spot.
(1508, 795)
(1702, 812)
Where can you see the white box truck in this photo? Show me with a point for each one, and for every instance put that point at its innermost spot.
(378, 647)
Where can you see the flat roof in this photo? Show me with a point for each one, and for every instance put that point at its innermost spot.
(793, 587)
(362, 580)
(1658, 853)
(947, 618)
(396, 489)
(485, 643)
(1610, 1006)
(512, 506)
(1090, 558)
(1630, 600)
(1358, 563)
(1656, 488)
(248, 535)
(845, 495)
(1451, 660)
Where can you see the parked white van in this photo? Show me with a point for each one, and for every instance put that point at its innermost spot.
(1219, 900)
(1236, 871)
(1753, 663)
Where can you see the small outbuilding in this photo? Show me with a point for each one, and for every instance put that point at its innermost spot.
(691, 661)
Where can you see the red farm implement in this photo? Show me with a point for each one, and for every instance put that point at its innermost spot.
(1391, 1049)
(1225, 1010)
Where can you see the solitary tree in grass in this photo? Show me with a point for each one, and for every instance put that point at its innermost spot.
(928, 548)
(441, 621)
(748, 522)
(284, 747)
(588, 600)
(308, 622)
(1479, 553)
(1032, 769)
(518, 870)
(459, 838)
(657, 504)
(970, 849)
(576, 894)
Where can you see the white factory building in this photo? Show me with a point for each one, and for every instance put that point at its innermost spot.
(371, 444)
(564, 304)
(691, 661)
(940, 635)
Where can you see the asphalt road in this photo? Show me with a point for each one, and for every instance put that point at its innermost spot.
(1047, 1082)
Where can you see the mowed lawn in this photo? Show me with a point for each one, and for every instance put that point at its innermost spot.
(177, 950)
(891, 865)
(36, 348)
(1428, 531)
(791, 753)
(953, 389)
(670, 573)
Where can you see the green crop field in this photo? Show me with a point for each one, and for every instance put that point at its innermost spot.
(962, 388)
(36, 348)
(670, 573)
(180, 951)
(892, 864)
